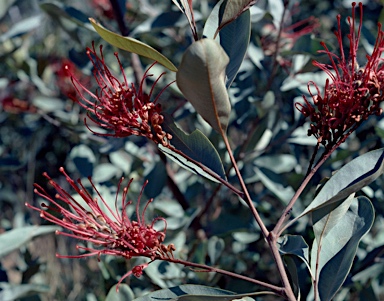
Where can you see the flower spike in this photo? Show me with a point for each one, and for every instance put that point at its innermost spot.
(118, 106)
(351, 93)
(110, 231)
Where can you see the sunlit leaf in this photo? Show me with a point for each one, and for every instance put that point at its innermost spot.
(4, 6)
(125, 293)
(332, 254)
(215, 247)
(105, 172)
(23, 26)
(326, 217)
(132, 45)
(212, 23)
(201, 78)
(14, 239)
(355, 175)
(11, 292)
(190, 292)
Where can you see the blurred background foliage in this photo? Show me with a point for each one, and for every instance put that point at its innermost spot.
(42, 129)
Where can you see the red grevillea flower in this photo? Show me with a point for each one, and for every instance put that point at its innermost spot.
(352, 94)
(118, 106)
(110, 231)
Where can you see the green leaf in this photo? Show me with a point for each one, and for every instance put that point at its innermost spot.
(190, 292)
(355, 175)
(195, 146)
(5, 5)
(11, 292)
(132, 45)
(157, 179)
(201, 78)
(326, 217)
(333, 255)
(295, 245)
(215, 246)
(124, 294)
(105, 172)
(293, 272)
(15, 238)
(234, 38)
(83, 158)
(212, 23)
(233, 9)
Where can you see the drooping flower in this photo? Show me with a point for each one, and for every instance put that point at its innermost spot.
(118, 106)
(351, 94)
(109, 231)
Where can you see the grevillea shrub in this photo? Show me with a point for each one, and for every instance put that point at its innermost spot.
(228, 151)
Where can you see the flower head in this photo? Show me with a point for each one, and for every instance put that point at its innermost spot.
(118, 106)
(110, 231)
(352, 94)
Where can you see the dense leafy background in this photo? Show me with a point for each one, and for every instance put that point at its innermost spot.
(42, 129)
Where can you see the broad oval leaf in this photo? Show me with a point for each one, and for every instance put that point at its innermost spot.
(132, 45)
(333, 257)
(355, 175)
(196, 147)
(201, 78)
(15, 238)
(326, 217)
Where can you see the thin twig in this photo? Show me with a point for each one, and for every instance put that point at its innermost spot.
(205, 268)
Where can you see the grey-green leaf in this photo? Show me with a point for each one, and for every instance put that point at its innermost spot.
(212, 23)
(334, 256)
(355, 175)
(11, 292)
(295, 245)
(195, 146)
(190, 292)
(233, 9)
(15, 238)
(132, 45)
(201, 78)
(125, 293)
(234, 38)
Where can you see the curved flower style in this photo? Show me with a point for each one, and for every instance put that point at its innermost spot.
(352, 95)
(111, 232)
(118, 106)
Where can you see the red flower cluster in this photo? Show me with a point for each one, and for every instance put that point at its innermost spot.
(118, 106)
(354, 92)
(111, 232)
